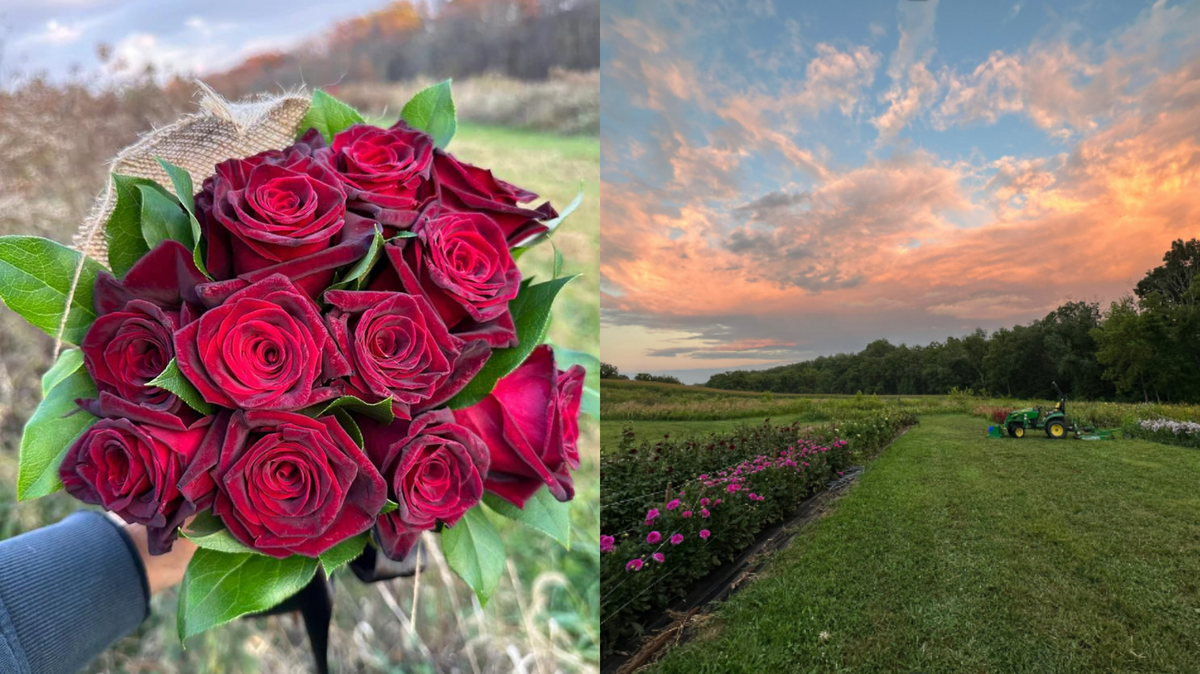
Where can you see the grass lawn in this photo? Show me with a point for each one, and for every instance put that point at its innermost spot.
(960, 554)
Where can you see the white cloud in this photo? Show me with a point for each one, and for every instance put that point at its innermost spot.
(913, 87)
(58, 33)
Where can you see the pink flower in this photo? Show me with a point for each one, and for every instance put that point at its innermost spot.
(732, 488)
(659, 557)
(673, 504)
(653, 513)
(634, 565)
(753, 496)
(653, 537)
(704, 512)
(607, 543)
(686, 513)
(705, 533)
(704, 501)
(717, 502)
(676, 539)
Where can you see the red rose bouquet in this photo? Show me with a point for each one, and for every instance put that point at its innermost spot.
(327, 346)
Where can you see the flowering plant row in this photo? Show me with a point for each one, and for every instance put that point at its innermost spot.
(327, 346)
(651, 560)
(1167, 431)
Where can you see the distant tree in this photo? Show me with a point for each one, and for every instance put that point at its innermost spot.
(660, 378)
(609, 371)
(1181, 265)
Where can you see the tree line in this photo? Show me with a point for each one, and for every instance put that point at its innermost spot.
(522, 39)
(1144, 346)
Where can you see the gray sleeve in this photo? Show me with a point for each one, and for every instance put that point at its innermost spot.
(67, 592)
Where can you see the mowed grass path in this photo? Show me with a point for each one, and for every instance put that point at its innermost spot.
(960, 554)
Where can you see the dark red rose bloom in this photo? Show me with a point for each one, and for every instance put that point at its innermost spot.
(385, 172)
(125, 349)
(288, 484)
(470, 189)
(398, 346)
(273, 207)
(134, 469)
(460, 262)
(531, 427)
(434, 470)
(166, 277)
(263, 347)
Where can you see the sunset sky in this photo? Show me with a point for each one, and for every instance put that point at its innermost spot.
(790, 179)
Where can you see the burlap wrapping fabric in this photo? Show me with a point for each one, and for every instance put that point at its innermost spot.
(220, 130)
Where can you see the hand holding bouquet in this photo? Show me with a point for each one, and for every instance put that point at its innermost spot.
(326, 346)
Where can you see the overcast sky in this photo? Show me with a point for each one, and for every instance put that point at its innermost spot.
(180, 37)
(789, 179)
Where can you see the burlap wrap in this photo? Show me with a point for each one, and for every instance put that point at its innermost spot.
(220, 130)
(197, 142)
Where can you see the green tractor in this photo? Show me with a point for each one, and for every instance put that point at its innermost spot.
(1053, 421)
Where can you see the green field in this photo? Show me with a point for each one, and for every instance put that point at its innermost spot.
(960, 554)
(652, 409)
(547, 607)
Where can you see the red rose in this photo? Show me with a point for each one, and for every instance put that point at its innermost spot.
(470, 189)
(399, 347)
(273, 207)
(313, 273)
(385, 172)
(460, 262)
(288, 484)
(125, 349)
(263, 347)
(434, 470)
(166, 277)
(531, 427)
(134, 470)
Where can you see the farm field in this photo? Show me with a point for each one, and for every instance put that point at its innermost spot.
(956, 553)
(544, 612)
(653, 409)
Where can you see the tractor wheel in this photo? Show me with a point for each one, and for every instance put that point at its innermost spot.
(1016, 431)
(1056, 429)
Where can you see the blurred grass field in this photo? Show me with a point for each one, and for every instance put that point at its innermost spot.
(53, 146)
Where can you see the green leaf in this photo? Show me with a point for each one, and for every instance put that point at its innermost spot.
(473, 549)
(432, 111)
(565, 358)
(531, 315)
(390, 507)
(163, 218)
(123, 231)
(380, 411)
(339, 555)
(356, 276)
(208, 532)
(181, 180)
(173, 380)
(69, 360)
(542, 512)
(329, 116)
(35, 276)
(221, 586)
(348, 424)
(49, 433)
